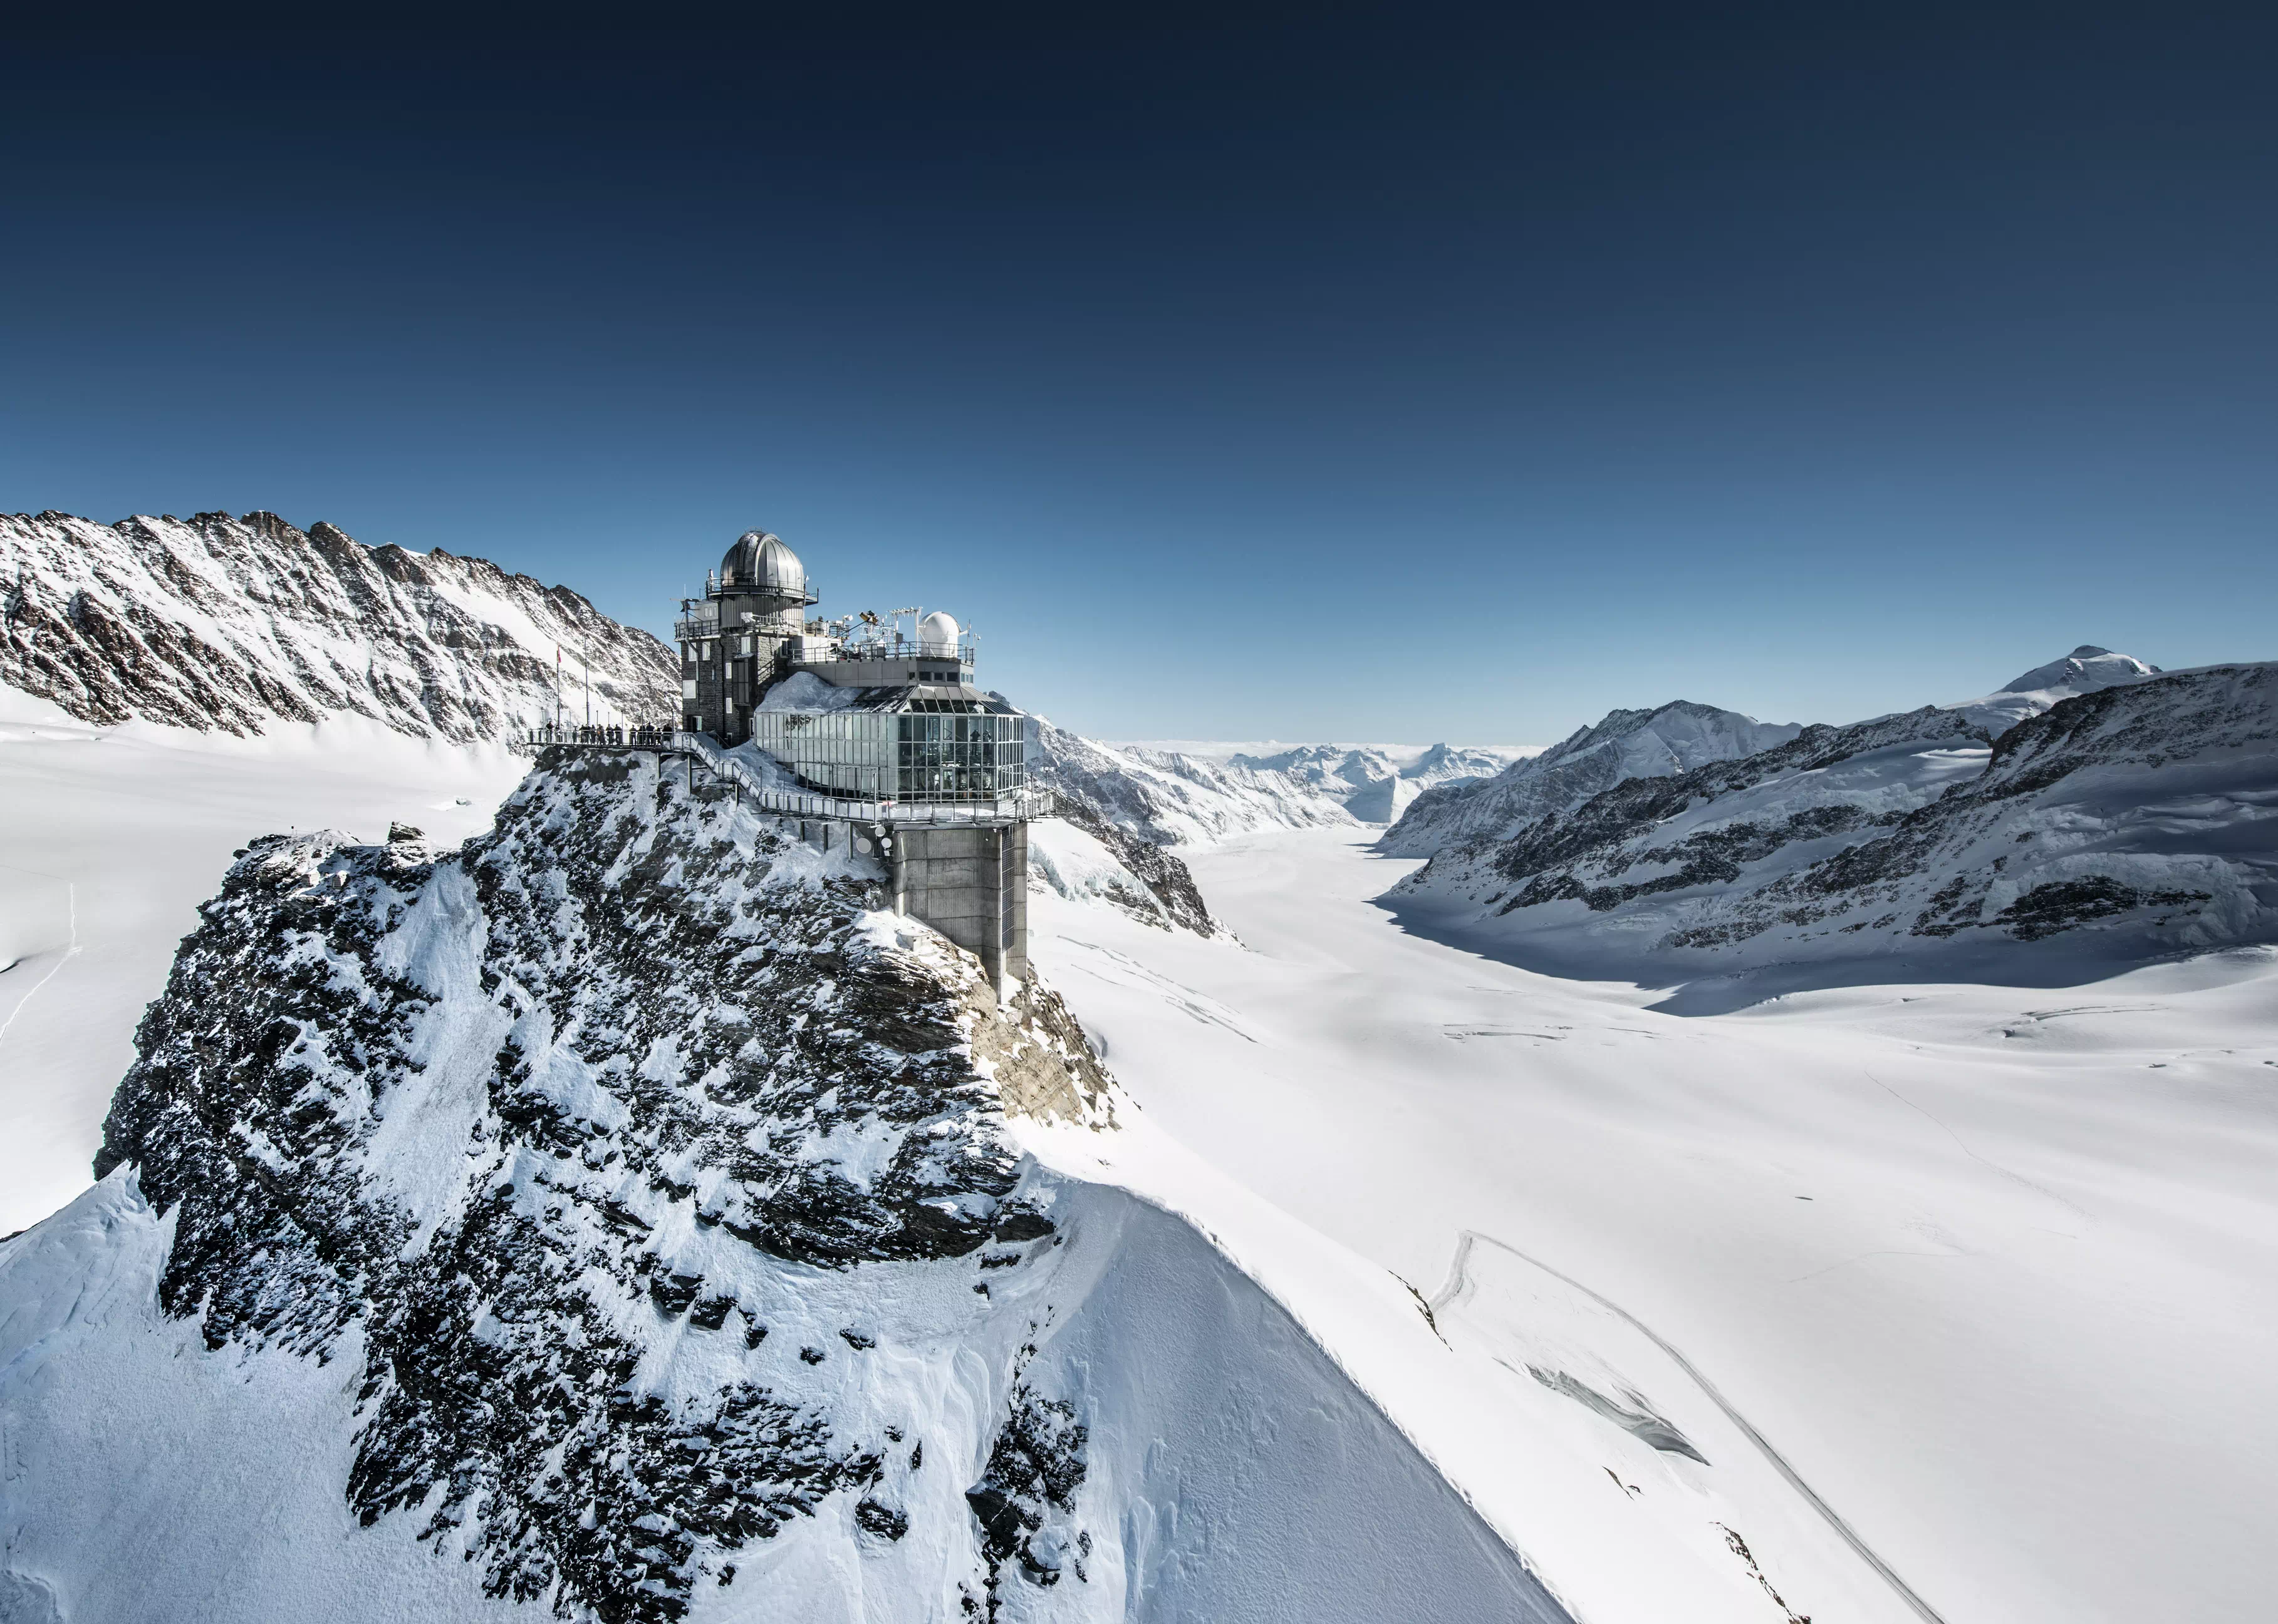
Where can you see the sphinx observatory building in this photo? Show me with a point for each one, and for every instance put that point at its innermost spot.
(891, 747)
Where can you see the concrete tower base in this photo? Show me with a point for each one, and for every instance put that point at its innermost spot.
(971, 883)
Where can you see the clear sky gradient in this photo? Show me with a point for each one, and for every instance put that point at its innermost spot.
(1343, 371)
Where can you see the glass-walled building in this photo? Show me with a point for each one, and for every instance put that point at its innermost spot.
(902, 744)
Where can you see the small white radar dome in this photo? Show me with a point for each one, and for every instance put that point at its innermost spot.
(937, 634)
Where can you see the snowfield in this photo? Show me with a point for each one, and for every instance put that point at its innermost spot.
(1988, 1276)
(109, 837)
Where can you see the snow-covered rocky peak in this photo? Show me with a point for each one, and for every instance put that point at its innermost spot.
(2086, 670)
(2130, 821)
(232, 623)
(619, 1217)
(1671, 738)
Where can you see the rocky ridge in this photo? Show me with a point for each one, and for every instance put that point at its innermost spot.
(1123, 809)
(1168, 799)
(1627, 744)
(235, 625)
(679, 1056)
(2137, 818)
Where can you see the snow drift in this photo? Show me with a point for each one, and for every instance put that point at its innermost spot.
(617, 1218)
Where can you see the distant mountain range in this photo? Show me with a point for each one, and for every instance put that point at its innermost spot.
(1372, 783)
(2095, 804)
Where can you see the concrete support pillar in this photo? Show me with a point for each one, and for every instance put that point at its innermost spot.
(992, 886)
(969, 883)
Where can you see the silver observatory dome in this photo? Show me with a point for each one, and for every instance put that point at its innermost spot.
(760, 561)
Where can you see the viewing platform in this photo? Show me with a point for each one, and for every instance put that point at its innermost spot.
(1017, 807)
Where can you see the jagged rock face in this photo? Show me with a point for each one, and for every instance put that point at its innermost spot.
(2130, 821)
(230, 623)
(1628, 744)
(558, 1130)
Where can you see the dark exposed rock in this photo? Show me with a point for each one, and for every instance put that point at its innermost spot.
(631, 1003)
(1036, 1466)
(2062, 905)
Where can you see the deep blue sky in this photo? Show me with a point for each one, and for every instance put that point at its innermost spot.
(1380, 372)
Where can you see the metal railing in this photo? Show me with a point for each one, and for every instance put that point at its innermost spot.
(889, 649)
(599, 735)
(894, 648)
(1019, 807)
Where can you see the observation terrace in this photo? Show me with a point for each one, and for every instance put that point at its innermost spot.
(1019, 806)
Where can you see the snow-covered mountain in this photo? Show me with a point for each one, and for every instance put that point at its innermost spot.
(2086, 670)
(617, 1218)
(1175, 800)
(2135, 819)
(1627, 744)
(1371, 783)
(235, 624)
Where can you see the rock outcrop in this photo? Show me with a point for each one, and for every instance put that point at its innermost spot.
(667, 1053)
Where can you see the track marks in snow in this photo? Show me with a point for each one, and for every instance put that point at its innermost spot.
(70, 951)
(1124, 970)
(1963, 1146)
(1460, 1285)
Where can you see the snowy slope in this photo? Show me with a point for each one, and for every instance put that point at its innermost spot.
(1627, 744)
(1994, 1274)
(622, 1212)
(231, 624)
(1081, 856)
(2138, 819)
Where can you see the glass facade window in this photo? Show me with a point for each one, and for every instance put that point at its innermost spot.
(886, 755)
